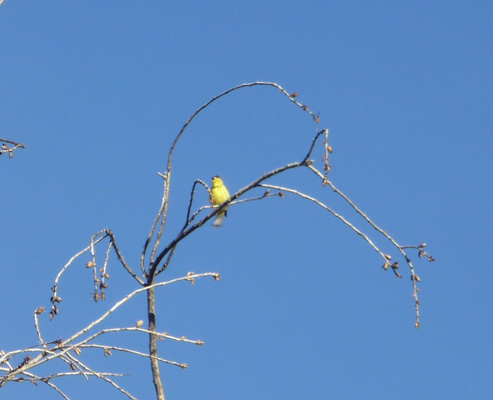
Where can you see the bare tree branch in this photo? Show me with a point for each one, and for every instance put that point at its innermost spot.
(414, 277)
(61, 349)
(5, 148)
(162, 213)
(318, 202)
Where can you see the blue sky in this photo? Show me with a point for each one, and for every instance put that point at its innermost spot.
(98, 90)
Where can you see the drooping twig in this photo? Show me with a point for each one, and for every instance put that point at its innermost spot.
(192, 194)
(120, 257)
(98, 284)
(414, 277)
(325, 207)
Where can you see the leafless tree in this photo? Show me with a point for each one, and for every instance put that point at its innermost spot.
(156, 257)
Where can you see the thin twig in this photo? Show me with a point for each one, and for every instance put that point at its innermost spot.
(335, 214)
(55, 298)
(38, 331)
(128, 297)
(233, 203)
(71, 261)
(192, 194)
(107, 380)
(46, 356)
(75, 363)
(164, 200)
(120, 257)
(134, 352)
(414, 277)
(309, 154)
(53, 386)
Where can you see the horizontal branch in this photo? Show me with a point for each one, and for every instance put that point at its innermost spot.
(134, 352)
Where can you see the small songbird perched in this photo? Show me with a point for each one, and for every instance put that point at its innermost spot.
(219, 195)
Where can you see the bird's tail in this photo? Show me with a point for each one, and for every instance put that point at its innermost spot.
(219, 220)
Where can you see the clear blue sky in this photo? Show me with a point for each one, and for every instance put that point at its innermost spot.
(98, 90)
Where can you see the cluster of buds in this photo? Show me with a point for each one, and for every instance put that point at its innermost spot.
(101, 284)
(325, 157)
(394, 266)
(54, 300)
(5, 148)
(423, 253)
(189, 277)
(24, 362)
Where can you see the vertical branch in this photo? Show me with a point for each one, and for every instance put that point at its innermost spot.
(36, 325)
(164, 202)
(325, 157)
(156, 374)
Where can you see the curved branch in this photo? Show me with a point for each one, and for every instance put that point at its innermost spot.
(414, 278)
(335, 214)
(163, 211)
(192, 194)
(309, 154)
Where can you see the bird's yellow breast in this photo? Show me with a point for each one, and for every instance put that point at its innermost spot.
(219, 192)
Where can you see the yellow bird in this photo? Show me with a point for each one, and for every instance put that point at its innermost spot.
(218, 196)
